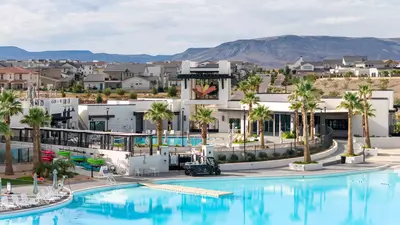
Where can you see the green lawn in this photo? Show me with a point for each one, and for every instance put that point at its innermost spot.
(18, 181)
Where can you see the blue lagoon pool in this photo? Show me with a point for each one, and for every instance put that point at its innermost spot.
(363, 199)
(172, 141)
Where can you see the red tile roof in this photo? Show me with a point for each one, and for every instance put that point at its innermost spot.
(17, 70)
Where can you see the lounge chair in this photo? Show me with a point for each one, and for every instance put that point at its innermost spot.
(154, 171)
(31, 201)
(109, 176)
(19, 202)
(6, 204)
(153, 131)
(47, 197)
(138, 172)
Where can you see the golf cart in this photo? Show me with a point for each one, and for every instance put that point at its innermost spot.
(208, 167)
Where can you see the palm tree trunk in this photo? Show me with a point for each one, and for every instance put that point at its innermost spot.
(367, 137)
(307, 156)
(350, 150)
(204, 133)
(261, 127)
(250, 126)
(159, 132)
(36, 148)
(296, 114)
(9, 168)
(312, 125)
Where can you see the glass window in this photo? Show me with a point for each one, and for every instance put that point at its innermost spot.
(235, 122)
(337, 124)
(285, 122)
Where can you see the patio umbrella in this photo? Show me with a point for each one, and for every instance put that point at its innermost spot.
(1, 187)
(188, 138)
(230, 140)
(55, 183)
(35, 185)
(165, 137)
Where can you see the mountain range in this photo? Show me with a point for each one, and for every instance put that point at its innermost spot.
(269, 52)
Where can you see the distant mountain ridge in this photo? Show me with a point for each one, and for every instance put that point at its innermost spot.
(269, 51)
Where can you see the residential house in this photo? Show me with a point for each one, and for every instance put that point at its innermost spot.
(54, 78)
(95, 81)
(351, 60)
(17, 78)
(332, 63)
(296, 64)
(5, 64)
(70, 68)
(371, 64)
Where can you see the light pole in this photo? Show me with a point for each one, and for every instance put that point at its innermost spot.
(182, 118)
(107, 109)
(244, 130)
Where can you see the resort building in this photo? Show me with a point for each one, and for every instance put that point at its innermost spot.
(209, 84)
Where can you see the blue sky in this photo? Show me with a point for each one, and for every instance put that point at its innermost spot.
(171, 26)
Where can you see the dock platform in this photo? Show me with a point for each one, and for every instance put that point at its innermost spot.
(186, 190)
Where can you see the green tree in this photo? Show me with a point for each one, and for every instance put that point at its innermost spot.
(280, 71)
(107, 92)
(133, 95)
(99, 99)
(261, 114)
(305, 92)
(9, 107)
(156, 114)
(250, 99)
(203, 117)
(312, 106)
(383, 84)
(365, 93)
(244, 86)
(353, 104)
(296, 106)
(120, 92)
(36, 118)
(255, 82)
(172, 92)
(154, 91)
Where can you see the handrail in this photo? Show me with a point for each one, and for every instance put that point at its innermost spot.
(80, 121)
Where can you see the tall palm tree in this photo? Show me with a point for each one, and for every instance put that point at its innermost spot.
(296, 106)
(36, 118)
(305, 92)
(250, 99)
(9, 106)
(156, 114)
(244, 86)
(254, 82)
(312, 106)
(261, 114)
(354, 105)
(203, 117)
(365, 93)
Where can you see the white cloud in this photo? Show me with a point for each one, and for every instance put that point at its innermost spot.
(170, 26)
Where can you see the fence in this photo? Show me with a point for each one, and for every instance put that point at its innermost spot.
(19, 155)
(323, 141)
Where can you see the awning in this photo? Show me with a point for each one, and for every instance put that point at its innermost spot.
(101, 117)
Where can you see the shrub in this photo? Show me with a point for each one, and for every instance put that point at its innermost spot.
(311, 77)
(222, 157)
(172, 92)
(154, 91)
(250, 157)
(383, 84)
(99, 99)
(234, 157)
(133, 95)
(334, 94)
(100, 91)
(290, 152)
(77, 88)
(288, 135)
(120, 91)
(263, 155)
(369, 80)
(107, 91)
(276, 155)
(63, 94)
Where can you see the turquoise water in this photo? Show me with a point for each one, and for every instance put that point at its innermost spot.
(172, 141)
(364, 199)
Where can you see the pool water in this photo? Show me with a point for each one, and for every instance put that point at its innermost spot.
(363, 199)
(172, 141)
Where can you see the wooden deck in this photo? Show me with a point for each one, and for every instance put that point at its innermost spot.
(186, 190)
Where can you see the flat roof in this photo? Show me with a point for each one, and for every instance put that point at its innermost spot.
(86, 131)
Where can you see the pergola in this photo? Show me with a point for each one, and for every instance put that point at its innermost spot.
(83, 138)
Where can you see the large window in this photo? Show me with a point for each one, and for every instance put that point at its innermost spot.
(341, 124)
(97, 125)
(236, 122)
(205, 89)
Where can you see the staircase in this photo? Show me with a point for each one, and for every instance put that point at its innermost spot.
(81, 124)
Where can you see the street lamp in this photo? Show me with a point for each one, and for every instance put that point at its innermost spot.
(107, 109)
(182, 118)
(244, 129)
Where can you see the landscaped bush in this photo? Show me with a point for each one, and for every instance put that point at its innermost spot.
(288, 135)
(234, 158)
(63, 94)
(276, 155)
(99, 99)
(133, 95)
(222, 157)
(154, 91)
(172, 92)
(107, 91)
(250, 157)
(290, 152)
(263, 155)
(120, 91)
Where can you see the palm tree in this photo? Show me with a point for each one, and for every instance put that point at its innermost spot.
(9, 106)
(254, 82)
(250, 99)
(305, 92)
(365, 93)
(203, 117)
(36, 118)
(312, 106)
(244, 86)
(296, 106)
(261, 114)
(156, 114)
(353, 104)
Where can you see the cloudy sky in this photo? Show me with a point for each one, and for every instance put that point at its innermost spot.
(170, 26)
